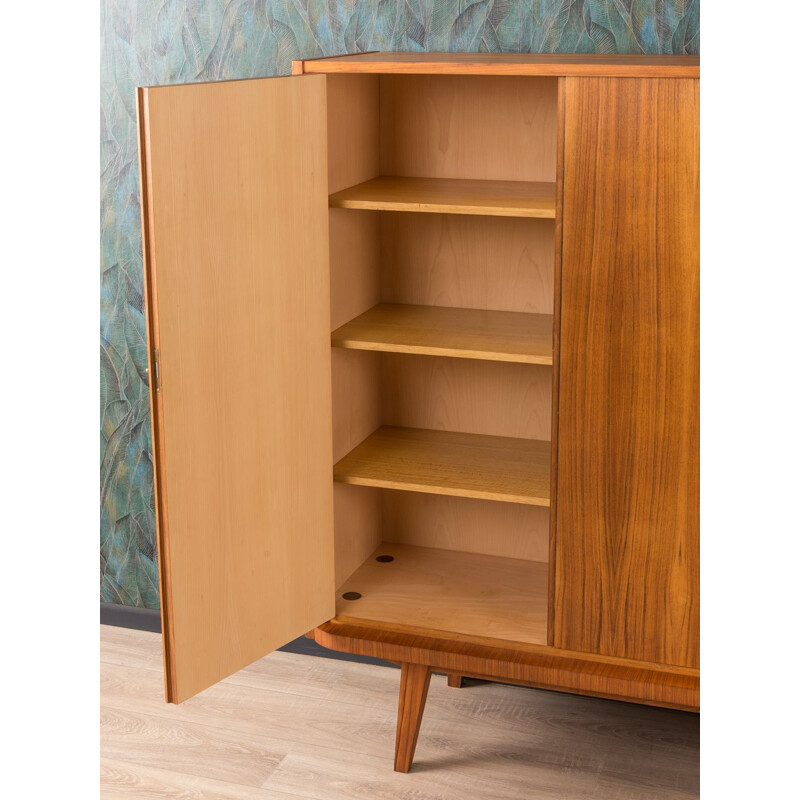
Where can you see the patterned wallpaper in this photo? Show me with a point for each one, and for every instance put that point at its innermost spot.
(147, 42)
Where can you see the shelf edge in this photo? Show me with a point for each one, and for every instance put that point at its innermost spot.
(444, 352)
(478, 494)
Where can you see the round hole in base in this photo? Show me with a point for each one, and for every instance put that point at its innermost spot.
(352, 596)
(384, 559)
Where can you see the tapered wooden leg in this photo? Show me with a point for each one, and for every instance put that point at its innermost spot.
(455, 681)
(414, 682)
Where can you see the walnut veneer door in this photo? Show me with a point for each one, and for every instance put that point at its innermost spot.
(627, 526)
(234, 190)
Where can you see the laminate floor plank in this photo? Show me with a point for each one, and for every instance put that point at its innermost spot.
(354, 776)
(292, 726)
(203, 750)
(130, 648)
(121, 780)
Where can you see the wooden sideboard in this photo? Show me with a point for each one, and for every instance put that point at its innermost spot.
(424, 358)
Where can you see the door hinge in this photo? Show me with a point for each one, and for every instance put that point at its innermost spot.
(156, 370)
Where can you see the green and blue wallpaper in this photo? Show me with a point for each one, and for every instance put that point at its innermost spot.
(149, 42)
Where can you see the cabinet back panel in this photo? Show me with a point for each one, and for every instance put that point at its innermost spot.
(466, 395)
(495, 263)
(449, 126)
(509, 530)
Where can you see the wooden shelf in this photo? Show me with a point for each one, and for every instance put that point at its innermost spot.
(453, 332)
(451, 196)
(460, 464)
(445, 590)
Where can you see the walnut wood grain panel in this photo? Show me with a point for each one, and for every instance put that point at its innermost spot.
(446, 590)
(627, 538)
(460, 464)
(525, 664)
(496, 263)
(450, 196)
(611, 66)
(450, 332)
(449, 394)
(236, 205)
(484, 128)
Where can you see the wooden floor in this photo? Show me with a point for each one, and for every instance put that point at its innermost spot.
(295, 726)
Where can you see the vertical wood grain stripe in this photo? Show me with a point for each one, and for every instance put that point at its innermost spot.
(551, 609)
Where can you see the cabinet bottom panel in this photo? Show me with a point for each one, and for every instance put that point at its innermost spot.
(445, 590)
(529, 665)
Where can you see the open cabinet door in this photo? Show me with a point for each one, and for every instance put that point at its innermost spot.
(235, 219)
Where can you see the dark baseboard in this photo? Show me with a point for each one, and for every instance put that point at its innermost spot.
(146, 619)
(141, 619)
(308, 647)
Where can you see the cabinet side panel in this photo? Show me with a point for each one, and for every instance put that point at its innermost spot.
(353, 157)
(238, 253)
(627, 535)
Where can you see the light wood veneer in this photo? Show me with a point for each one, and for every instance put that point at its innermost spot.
(451, 196)
(446, 590)
(492, 263)
(443, 462)
(454, 332)
(244, 491)
(463, 126)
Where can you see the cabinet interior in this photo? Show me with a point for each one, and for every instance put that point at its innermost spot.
(442, 248)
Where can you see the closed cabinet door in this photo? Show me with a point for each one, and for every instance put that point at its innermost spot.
(235, 220)
(627, 482)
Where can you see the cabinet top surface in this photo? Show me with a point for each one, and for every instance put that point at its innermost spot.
(543, 64)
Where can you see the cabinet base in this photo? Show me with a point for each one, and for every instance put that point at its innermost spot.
(527, 665)
(420, 652)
